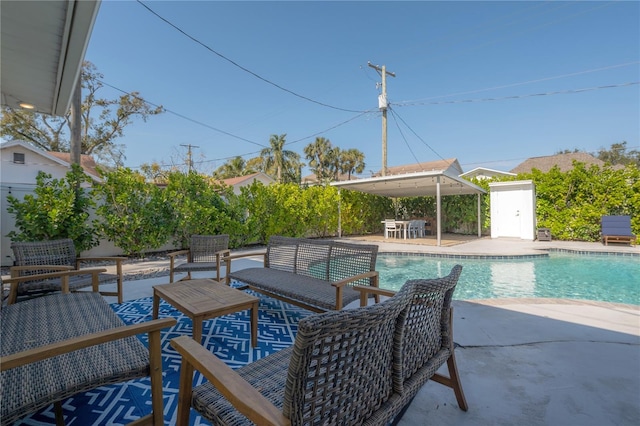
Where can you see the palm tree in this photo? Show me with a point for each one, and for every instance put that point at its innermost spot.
(351, 161)
(279, 159)
(233, 168)
(319, 155)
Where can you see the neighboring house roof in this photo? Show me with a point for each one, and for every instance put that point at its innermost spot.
(86, 162)
(247, 179)
(484, 173)
(313, 179)
(60, 158)
(563, 161)
(238, 182)
(450, 164)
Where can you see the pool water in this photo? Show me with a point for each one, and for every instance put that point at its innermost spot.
(560, 275)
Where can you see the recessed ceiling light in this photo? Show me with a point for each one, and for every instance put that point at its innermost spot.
(26, 105)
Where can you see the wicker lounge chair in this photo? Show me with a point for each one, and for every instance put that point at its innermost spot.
(47, 256)
(56, 346)
(349, 367)
(204, 254)
(616, 229)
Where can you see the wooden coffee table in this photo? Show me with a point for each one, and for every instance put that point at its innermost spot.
(203, 299)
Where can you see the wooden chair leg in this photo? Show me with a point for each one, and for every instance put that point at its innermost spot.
(57, 409)
(184, 393)
(453, 381)
(155, 361)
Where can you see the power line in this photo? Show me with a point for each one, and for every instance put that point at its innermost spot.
(288, 143)
(406, 142)
(412, 131)
(523, 82)
(184, 116)
(531, 95)
(240, 66)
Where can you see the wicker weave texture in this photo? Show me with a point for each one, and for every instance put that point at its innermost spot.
(53, 318)
(55, 252)
(423, 331)
(325, 260)
(203, 248)
(329, 376)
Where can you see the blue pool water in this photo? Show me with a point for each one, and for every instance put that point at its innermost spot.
(560, 275)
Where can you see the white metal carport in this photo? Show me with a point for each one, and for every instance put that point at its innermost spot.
(436, 183)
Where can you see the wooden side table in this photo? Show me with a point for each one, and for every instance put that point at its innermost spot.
(203, 299)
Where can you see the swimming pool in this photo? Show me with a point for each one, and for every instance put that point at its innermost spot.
(560, 275)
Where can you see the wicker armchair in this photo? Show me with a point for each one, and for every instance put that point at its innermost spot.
(56, 346)
(204, 254)
(348, 367)
(48, 256)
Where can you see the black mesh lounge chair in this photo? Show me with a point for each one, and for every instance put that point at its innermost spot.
(204, 254)
(48, 256)
(616, 229)
(349, 367)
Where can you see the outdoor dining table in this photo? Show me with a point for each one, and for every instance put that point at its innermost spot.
(402, 224)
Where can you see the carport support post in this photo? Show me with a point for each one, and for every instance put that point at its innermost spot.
(339, 214)
(479, 216)
(438, 222)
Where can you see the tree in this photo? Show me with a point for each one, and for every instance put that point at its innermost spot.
(328, 162)
(319, 154)
(154, 173)
(59, 208)
(101, 126)
(283, 164)
(351, 161)
(233, 168)
(618, 154)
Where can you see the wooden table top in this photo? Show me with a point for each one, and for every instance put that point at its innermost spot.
(202, 296)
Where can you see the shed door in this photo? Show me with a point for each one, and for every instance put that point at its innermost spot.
(509, 205)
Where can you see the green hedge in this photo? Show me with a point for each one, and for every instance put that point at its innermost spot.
(139, 216)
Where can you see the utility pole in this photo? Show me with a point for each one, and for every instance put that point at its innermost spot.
(382, 105)
(76, 123)
(189, 162)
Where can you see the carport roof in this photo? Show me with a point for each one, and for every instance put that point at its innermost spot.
(413, 185)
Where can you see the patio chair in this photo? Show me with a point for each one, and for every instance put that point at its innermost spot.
(616, 229)
(204, 254)
(56, 346)
(390, 227)
(354, 366)
(416, 228)
(39, 257)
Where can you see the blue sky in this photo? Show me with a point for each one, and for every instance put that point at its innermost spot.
(488, 83)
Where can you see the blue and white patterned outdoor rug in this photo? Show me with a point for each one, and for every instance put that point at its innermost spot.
(228, 337)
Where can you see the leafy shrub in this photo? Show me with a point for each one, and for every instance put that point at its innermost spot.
(59, 208)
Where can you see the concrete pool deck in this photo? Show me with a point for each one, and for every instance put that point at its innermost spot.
(521, 361)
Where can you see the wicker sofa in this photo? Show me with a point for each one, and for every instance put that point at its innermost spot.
(318, 275)
(350, 367)
(56, 346)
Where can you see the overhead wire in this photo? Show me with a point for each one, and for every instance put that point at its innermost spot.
(406, 142)
(295, 141)
(530, 95)
(184, 117)
(259, 77)
(395, 114)
(523, 82)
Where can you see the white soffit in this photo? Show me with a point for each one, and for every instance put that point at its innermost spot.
(43, 46)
